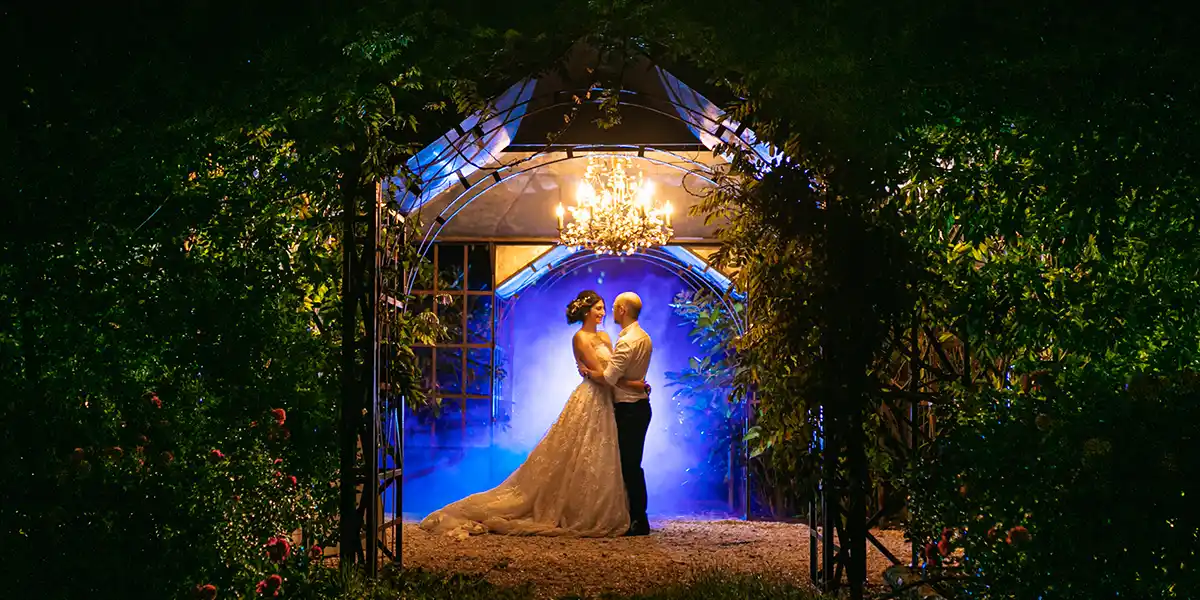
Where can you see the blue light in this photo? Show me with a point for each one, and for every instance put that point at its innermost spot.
(701, 267)
(457, 458)
(439, 165)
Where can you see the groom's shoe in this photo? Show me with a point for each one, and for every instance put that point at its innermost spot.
(638, 528)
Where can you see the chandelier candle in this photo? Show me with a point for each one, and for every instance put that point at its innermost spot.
(614, 211)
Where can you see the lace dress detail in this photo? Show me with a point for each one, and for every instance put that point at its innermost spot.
(570, 485)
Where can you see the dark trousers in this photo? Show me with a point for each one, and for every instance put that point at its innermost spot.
(633, 420)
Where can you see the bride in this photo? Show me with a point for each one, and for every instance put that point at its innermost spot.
(571, 483)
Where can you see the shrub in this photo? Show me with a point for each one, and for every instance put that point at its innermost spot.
(1073, 491)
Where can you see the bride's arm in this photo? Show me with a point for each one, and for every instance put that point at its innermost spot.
(594, 370)
(586, 352)
(637, 385)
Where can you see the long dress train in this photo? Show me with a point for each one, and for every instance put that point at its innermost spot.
(570, 485)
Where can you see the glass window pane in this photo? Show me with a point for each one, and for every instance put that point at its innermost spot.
(449, 426)
(450, 313)
(479, 371)
(449, 371)
(479, 319)
(479, 267)
(451, 260)
(478, 416)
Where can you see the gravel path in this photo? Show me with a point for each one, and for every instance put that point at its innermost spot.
(587, 567)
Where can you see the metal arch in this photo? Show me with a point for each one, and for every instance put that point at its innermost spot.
(714, 129)
(657, 258)
(457, 204)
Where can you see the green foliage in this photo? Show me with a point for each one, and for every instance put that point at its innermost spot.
(704, 390)
(1103, 482)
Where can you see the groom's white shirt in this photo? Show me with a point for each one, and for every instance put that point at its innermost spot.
(630, 360)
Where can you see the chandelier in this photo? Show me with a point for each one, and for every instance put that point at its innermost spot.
(614, 213)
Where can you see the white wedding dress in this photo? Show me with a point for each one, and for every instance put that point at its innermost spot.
(569, 486)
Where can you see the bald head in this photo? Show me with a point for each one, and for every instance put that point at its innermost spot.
(627, 307)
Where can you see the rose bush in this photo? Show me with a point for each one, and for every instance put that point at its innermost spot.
(1074, 490)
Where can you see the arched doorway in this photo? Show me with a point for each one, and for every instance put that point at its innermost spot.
(499, 401)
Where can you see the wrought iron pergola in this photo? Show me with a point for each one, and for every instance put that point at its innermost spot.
(469, 157)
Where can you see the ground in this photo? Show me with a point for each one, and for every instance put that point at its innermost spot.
(678, 548)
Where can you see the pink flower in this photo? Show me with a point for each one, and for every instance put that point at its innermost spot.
(1019, 535)
(216, 455)
(207, 591)
(277, 461)
(270, 586)
(291, 479)
(155, 401)
(278, 549)
(280, 416)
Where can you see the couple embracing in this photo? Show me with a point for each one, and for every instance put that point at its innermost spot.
(585, 478)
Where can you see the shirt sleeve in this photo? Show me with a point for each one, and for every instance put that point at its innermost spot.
(616, 364)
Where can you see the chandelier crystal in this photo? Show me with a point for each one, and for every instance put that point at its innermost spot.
(614, 211)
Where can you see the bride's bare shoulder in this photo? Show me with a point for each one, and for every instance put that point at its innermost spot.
(603, 335)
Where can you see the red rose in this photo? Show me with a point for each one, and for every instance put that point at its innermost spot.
(207, 591)
(277, 461)
(291, 479)
(993, 532)
(253, 424)
(944, 547)
(270, 586)
(280, 416)
(216, 455)
(1019, 535)
(278, 549)
(155, 401)
(316, 553)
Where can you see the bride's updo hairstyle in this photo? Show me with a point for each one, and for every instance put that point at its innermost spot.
(578, 309)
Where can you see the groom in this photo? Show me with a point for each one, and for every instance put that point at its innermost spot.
(630, 360)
